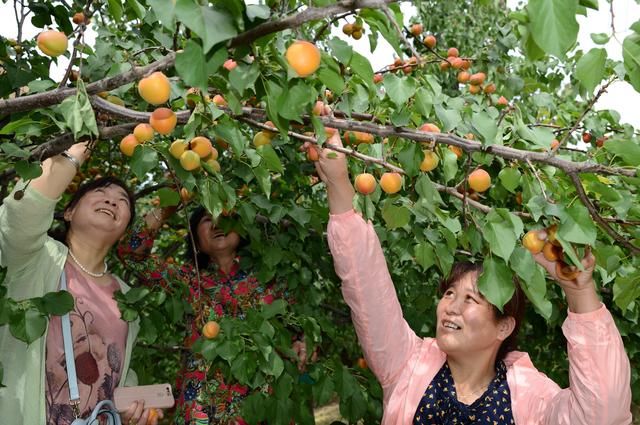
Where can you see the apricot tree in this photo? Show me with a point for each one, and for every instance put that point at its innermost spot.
(484, 119)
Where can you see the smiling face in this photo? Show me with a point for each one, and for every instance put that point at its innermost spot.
(104, 211)
(466, 321)
(213, 241)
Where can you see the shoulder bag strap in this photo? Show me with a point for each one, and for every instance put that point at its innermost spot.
(74, 394)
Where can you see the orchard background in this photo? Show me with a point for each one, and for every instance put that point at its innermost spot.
(531, 125)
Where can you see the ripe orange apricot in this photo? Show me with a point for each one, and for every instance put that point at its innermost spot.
(362, 363)
(153, 416)
(155, 89)
(555, 143)
(479, 180)
(190, 160)
(128, 144)
(416, 29)
(213, 154)
(185, 195)
(453, 52)
(261, 138)
(163, 120)
(532, 242)
(211, 329)
(463, 77)
(52, 43)
(551, 252)
(444, 65)
(214, 164)
(218, 100)
(456, 63)
(79, 18)
(357, 137)
(457, 150)
(313, 153)
(377, 78)
(177, 148)
(430, 41)
(303, 57)
(466, 64)
(490, 88)
(477, 78)
(502, 102)
(429, 128)
(229, 64)
(475, 89)
(269, 132)
(143, 132)
(347, 29)
(201, 145)
(365, 183)
(552, 237)
(391, 182)
(565, 271)
(430, 161)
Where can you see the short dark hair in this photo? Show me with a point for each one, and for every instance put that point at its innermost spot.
(515, 307)
(86, 187)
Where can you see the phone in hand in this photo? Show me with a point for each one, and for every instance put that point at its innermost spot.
(157, 396)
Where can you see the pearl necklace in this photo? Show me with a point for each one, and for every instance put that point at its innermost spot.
(84, 269)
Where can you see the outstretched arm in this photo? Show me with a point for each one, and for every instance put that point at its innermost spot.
(599, 372)
(385, 337)
(24, 220)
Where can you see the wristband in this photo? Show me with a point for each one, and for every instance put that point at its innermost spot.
(71, 159)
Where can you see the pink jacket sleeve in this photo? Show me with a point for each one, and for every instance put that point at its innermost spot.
(599, 374)
(385, 337)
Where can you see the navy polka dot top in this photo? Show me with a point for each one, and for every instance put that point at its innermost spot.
(439, 404)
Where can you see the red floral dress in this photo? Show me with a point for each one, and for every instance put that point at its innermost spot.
(202, 395)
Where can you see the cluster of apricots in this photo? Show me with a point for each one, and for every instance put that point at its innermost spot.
(545, 242)
(390, 182)
(354, 30)
(598, 141)
(192, 153)
(431, 160)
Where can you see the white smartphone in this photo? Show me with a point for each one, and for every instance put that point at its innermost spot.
(157, 396)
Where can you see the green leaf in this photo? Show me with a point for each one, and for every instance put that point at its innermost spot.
(28, 170)
(395, 216)
(600, 38)
(427, 190)
(136, 294)
(450, 118)
(591, 4)
(16, 126)
(423, 101)
(211, 197)
(243, 77)
(361, 66)
(628, 150)
(631, 57)
(191, 67)
(500, 232)
(168, 197)
(486, 126)
(449, 164)
(410, 158)
(399, 89)
(27, 325)
(323, 390)
(341, 50)
(213, 26)
(144, 159)
(278, 307)
(626, 289)
(292, 102)
(57, 303)
(532, 280)
(259, 11)
(495, 282)
(590, 68)
(553, 25)
(11, 149)
(270, 158)
(264, 179)
(510, 178)
(577, 226)
(424, 255)
(78, 113)
(331, 79)
(115, 9)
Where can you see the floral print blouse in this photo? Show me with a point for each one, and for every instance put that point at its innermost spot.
(203, 396)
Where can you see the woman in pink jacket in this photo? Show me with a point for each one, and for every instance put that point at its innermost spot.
(462, 375)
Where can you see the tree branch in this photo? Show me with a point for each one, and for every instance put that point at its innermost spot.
(597, 218)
